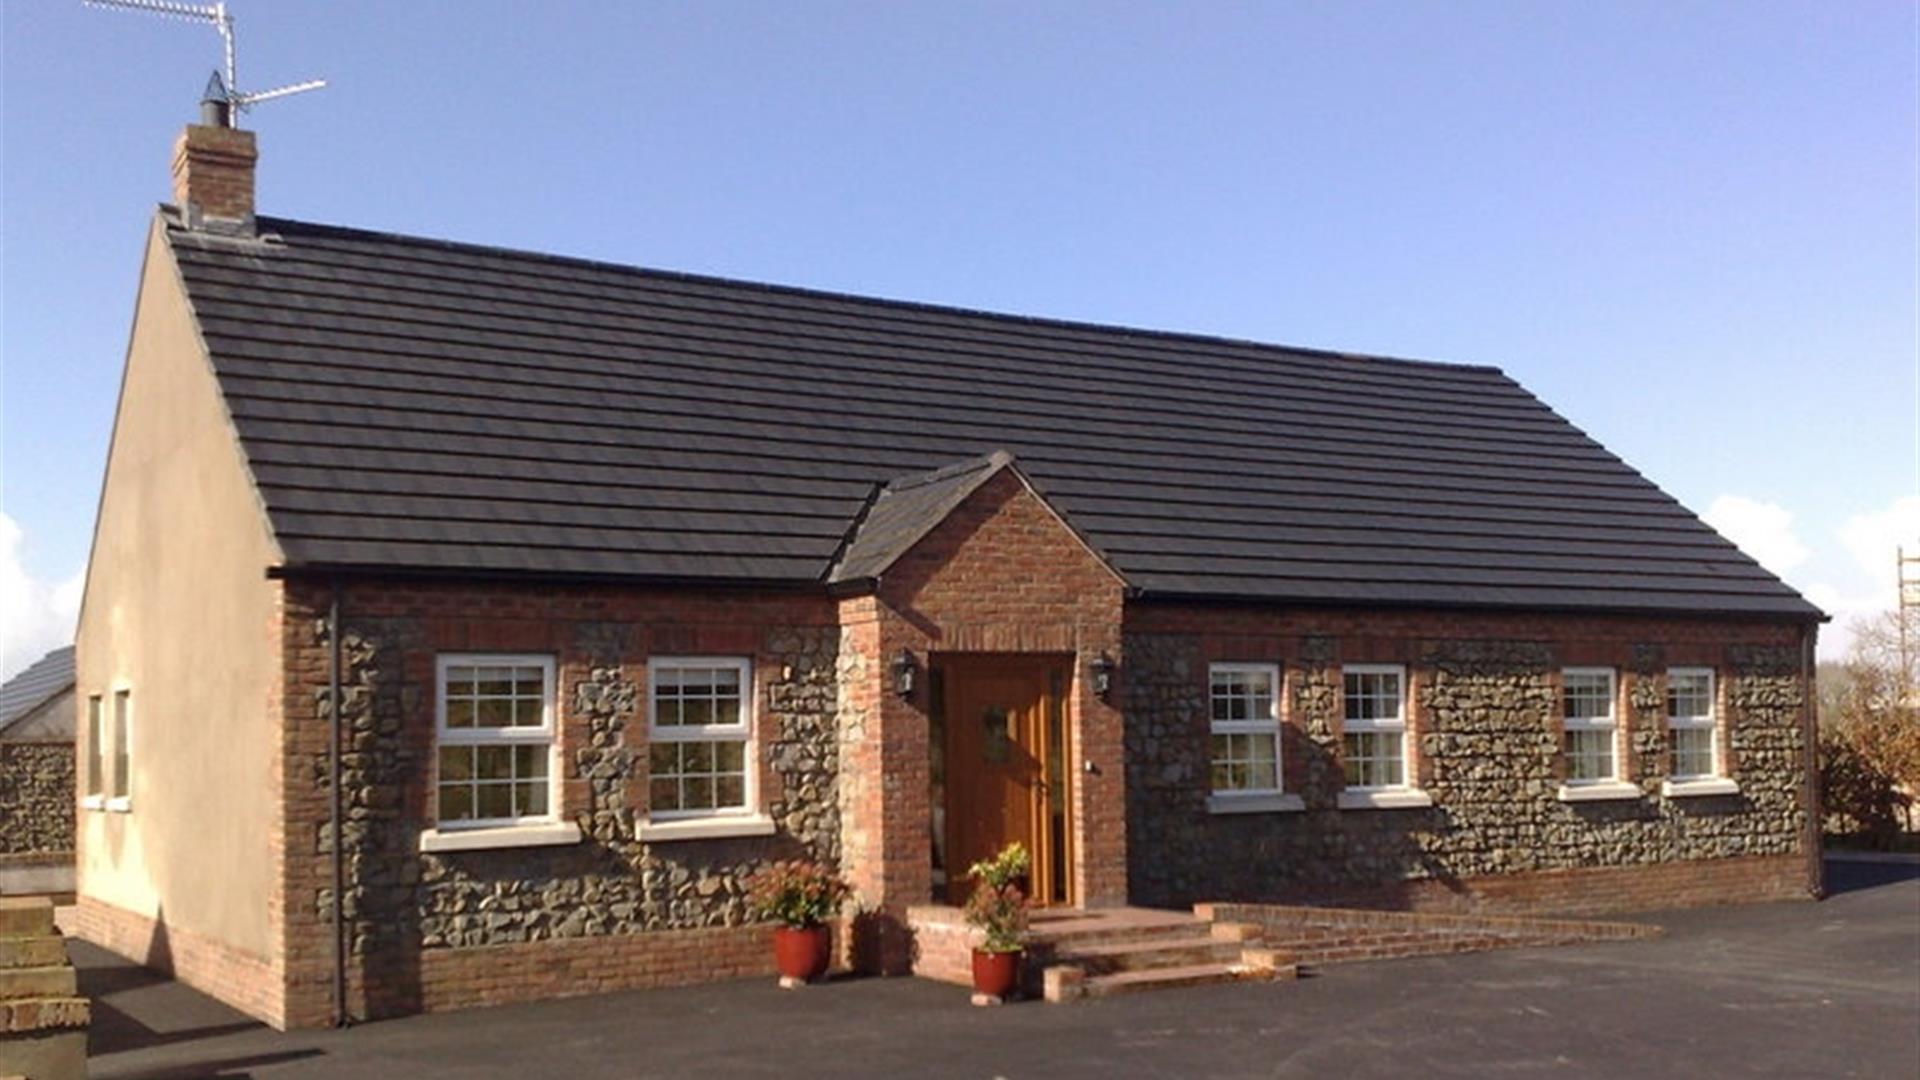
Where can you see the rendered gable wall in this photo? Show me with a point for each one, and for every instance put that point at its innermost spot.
(178, 611)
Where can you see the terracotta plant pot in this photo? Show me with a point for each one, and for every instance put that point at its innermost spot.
(996, 974)
(802, 953)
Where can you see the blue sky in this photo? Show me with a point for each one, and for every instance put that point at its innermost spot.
(1690, 227)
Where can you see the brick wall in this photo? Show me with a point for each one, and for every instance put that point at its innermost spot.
(36, 797)
(1485, 744)
(241, 979)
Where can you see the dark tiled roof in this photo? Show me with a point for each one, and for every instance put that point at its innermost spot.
(414, 404)
(37, 684)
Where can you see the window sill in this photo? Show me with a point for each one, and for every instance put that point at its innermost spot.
(1385, 799)
(1698, 786)
(1254, 804)
(93, 802)
(503, 836)
(121, 805)
(706, 828)
(1603, 791)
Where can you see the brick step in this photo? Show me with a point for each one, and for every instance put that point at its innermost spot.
(1105, 958)
(25, 917)
(1091, 931)
(47, 950)
(50, 1013)
(1169, 978)
(53, 980)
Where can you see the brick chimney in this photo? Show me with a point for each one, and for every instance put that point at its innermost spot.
(213, 174)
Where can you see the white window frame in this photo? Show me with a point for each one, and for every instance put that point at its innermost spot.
(1251, 800)
(1614, 785)
(1716, 782)
(119, 774)
(745, 820)
(1405, 794)
(95, 780)
(523, 831)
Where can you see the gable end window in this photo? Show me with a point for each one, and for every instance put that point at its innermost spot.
(120, 791)
(96, 789)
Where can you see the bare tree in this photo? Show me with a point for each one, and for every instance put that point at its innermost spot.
(1870, 729)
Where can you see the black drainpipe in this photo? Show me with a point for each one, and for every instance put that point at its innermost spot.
(333, 810)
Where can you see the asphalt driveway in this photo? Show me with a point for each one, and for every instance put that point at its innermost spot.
(1788, 990)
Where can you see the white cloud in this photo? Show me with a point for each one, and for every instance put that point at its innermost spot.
(1763, 530)
(35, 615)
(1874, 538)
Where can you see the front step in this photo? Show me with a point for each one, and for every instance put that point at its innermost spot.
(1093, 954)
(1161, 978)
(1160, 952)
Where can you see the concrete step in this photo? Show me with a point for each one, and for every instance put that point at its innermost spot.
(53, 980)
(22, 916)
(31, 952)
(1168, 951)
(1128, 982)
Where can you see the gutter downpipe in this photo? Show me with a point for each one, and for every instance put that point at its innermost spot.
(333, 809)
(1816, 798)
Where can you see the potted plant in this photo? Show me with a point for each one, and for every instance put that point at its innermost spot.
(998, 906)
(801, 897)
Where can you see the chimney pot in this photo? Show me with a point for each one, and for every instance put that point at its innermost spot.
(213, 170)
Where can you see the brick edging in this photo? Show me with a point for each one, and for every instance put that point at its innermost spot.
(1500, 925)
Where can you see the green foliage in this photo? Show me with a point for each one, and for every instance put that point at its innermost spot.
(999, 901)
(798, 894)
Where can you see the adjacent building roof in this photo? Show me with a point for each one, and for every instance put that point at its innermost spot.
(413, 404)
(40, 682)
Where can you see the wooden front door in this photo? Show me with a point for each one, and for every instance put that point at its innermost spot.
(1005, 766)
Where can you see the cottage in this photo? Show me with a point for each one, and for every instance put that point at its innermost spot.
(466, 624)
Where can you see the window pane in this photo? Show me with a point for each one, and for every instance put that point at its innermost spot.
(495, 712)
(1693, 751)
(664, 794)
(460, 679)
(456, 802)
(726, 711)
(456, 762)
(459, 713)
(732, 756)
(1222, 776)
(697, 757)
(698, 793)
(494, 762)
(664, 758)
(1587, 696)
(494, 800)
(1590, 755)
(529, 682)
(529, 762)
(121, 755)
(495, 682)
(532, 799)
(731, 791)
(696, 711)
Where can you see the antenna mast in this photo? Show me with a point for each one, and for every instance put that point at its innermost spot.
(223, 93)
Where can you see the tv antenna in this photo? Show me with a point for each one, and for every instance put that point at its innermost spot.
(224, 100)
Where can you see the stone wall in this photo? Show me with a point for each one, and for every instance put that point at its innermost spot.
(36, 797)
(1486, 746)
(403, 906)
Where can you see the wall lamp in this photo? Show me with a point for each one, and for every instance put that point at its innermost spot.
(905, 672)
(1102, 670)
